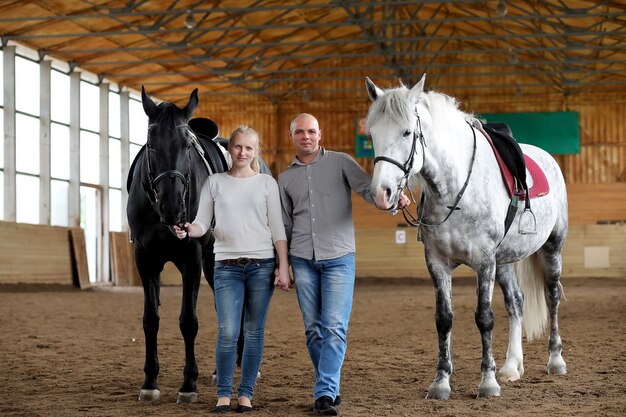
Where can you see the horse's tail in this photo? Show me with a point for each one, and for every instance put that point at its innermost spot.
(530, 276)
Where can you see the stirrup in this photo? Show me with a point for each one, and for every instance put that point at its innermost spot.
(527, 232)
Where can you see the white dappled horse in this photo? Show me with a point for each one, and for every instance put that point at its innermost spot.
(423, 138)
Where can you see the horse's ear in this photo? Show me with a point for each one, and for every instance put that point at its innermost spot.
(148, 105)
(419, 87)
(372, 91)
(192, 104)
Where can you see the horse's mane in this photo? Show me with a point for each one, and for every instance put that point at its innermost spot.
(395, 104)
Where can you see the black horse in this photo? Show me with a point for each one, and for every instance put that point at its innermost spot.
(164, 186)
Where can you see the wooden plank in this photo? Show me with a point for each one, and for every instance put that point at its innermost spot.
(123, 268)
(79, 258)
(34, 254)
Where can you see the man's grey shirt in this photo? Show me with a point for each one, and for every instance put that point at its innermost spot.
(316, 201)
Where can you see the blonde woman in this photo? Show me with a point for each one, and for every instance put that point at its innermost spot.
(248, 232)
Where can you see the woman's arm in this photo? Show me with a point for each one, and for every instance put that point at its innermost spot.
(203, 218)
(282, 280)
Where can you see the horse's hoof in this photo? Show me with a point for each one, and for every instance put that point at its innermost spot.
(488, 389)
(510, 373)
(557, 366)
(187, 397)
(149, 395)
(438, 392)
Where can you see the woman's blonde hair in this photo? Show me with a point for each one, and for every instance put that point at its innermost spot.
(248, 131)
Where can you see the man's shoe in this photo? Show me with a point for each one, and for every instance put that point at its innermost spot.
(337, 403)
(325, 405)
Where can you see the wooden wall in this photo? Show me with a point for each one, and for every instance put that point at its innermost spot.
(379, 256)
(602, 128)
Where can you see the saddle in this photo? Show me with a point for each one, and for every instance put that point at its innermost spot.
(513, 164)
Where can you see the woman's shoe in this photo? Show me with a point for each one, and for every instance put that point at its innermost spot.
(221, 409)
(244, 409)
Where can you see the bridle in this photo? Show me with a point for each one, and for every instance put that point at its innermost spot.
(151, 192)
(408, 164)
(406, 168)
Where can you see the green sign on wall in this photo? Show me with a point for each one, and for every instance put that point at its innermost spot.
(555, 132)
(363, 145)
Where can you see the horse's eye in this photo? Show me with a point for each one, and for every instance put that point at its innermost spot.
(406, 133)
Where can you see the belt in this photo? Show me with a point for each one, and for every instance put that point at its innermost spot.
(238, 261)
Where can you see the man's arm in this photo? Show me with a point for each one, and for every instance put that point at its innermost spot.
(287, 209)
(358, 180)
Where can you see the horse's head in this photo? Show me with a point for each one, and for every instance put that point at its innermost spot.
(167, 163)
(396, 126)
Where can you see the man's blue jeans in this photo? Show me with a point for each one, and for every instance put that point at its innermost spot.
(325, 290)
(234, 285)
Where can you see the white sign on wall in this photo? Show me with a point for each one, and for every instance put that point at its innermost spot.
(400, 237)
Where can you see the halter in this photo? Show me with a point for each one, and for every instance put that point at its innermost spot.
(151, 192)
(406, 168)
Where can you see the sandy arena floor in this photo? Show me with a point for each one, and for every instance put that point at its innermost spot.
(64, 352)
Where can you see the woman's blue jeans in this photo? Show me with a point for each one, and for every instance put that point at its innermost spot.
(325, 290)
(236, 285)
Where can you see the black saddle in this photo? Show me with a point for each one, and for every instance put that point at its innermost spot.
(513, 157)
(510, 152)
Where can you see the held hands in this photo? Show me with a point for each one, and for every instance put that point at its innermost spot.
(181, 232)
(282, 279)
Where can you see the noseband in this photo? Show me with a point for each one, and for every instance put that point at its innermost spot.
(151, 192)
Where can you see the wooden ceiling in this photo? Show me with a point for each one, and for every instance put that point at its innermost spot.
(275, 50)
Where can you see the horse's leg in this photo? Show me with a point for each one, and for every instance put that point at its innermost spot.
(488, 386)
(442, 281)
(513, 368)
(188, 323)
(149, 270)
(551, 260)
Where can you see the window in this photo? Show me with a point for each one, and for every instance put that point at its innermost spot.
(115, 127)
(115, 165)
(59, 151)
(89, 157)
(138, 122)
(60, 97)
(89, 107)
(27, 86)
(59, 203)
(115, 210)
(2, 135)
(27, 144)
(2, 194)
(27, 198)
(1, 78)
